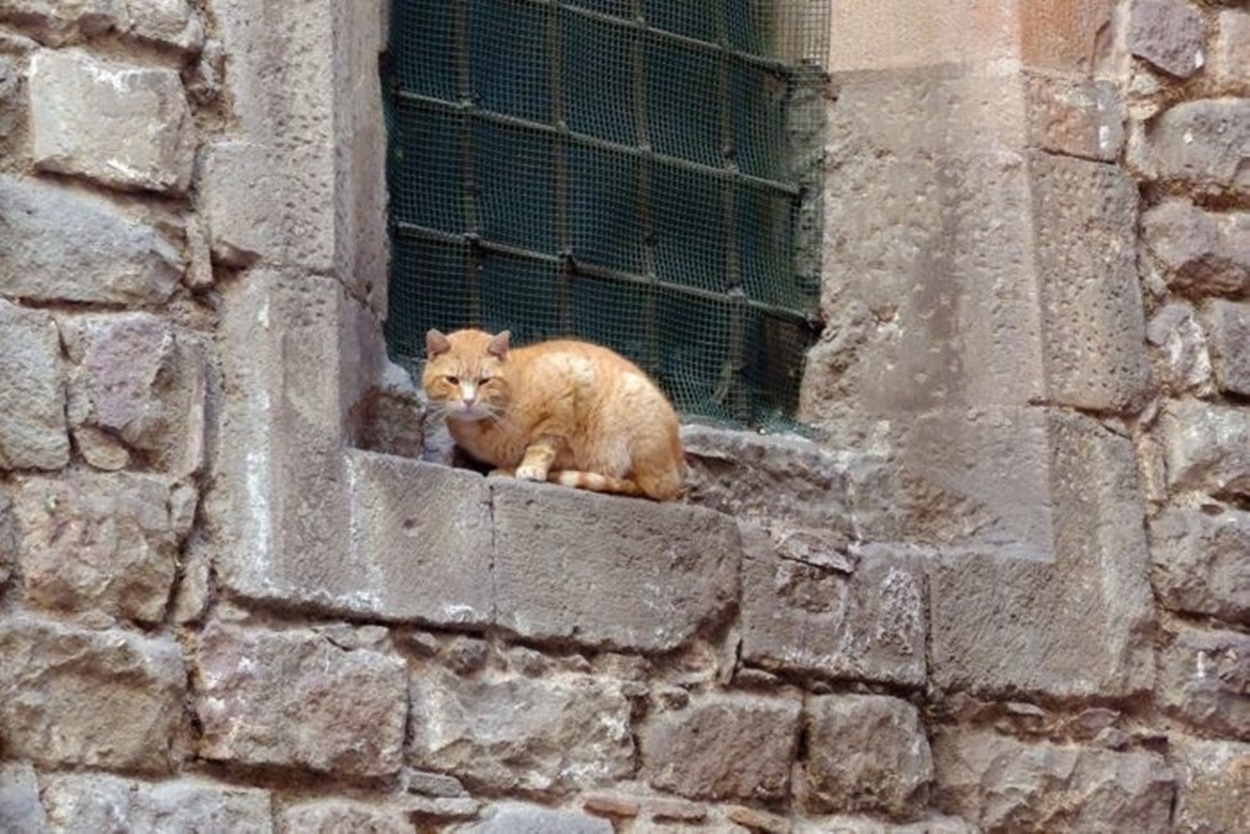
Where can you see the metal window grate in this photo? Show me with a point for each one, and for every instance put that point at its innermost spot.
(634, 172)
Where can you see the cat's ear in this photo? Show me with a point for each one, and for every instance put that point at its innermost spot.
(498, 346)
(436, 343)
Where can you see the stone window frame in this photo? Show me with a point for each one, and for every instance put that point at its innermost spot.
(294, 200)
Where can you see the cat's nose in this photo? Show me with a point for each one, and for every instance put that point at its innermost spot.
(468, 393)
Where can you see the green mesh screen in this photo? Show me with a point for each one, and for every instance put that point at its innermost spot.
(638, 173)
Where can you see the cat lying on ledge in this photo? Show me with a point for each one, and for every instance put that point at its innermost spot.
(564, 411)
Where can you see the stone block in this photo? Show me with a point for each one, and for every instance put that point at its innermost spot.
(1213, 790)
(865, 622)
(1230, 345)
(32, 385)
(1003, 784)
(173, 23)
(1179, 348)
(723, 747)
(98, 546)
(866, 754)
(1169, 34)
(1204, 678)
(294, 699)
(1202, 253)
(170, 23)
(1085, 218)
(137, 390)
(124, 126)
(1068, 36)
(420, 537)
(1204, 144)
(904, 33)
(1200, 564)
(516, 818)
(521, 735)
(21, 812)
(843, 824)
(67, 245)
(648, 576)
(331, 816)
(96, 802)
(98, 699)
(1207, 447)
(1230, 53)
(1075, 116)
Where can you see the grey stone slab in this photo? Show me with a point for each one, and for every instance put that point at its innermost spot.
(1200, 252)
(124, 126)
(1230, 345)
(1204, 676)
(516, 818)
(21, 812)
(96, 802)
(33, 431)
(1204, 144)
(1200, 562)
(1169, 34)
(1207, 447)
(100, 699)
(605, 571)
(67, 245)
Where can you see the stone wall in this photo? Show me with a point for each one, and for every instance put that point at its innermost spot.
(1009, 591)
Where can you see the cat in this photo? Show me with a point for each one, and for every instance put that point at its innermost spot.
(564, 411)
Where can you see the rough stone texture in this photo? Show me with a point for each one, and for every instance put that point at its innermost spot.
(648, 575)
(1204, 144)
(864, 621)
(933, 824)
(1204, 677)
(1230, 346)
(723, 747)
(293, 698)
(138, 387)
(421, 539)
(1082, 118)
(1230, 56)
(32, 387)
(1179, 343)
(515, 818)
(520, 735)
(1213, 794)
(97, 545)
(1200, 563)
(64, 244)
(102, 699)
(1093, 327)
(8, 540)
(331, 816)
(171, 23)
(1207, 447)
(124, 126)
(21, 812)
(866, 754)
(1080, 625)
(1201, 252)
(107, 803)
(1168, 34)
(1003, 784)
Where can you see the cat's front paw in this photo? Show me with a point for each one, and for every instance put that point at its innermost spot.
(531, 473)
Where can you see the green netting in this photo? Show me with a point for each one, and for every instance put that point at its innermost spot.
(638, 173)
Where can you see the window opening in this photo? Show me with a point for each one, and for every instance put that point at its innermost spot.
(639, 173)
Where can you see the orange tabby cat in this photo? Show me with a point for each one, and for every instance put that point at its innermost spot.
(563, 411)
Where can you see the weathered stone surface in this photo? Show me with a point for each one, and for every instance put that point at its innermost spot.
(1201, 252)
(106, 699)
(932, 824)
(421, 537)
(125, 126)
(293, 698)
(331, 816)
(1213, 794)
(1179, 348)
(98, 545)
(648, 576)
(1230, 345)
(1077, 117)
(519, 734)
(723, 747)
(515, 818)
(108, 803)
(139, 386)
(390, 417)
(1093, 325)
(32, 387)
(866, 622)
(1204, 143)
(1168, 34)
(1207, 447)
(1204, 677)
(866, 754)
(171, 23)
(63, 244)
(1230, 54)
(21, 812)
(1003, 784)
(1200, 563)
(8, 539)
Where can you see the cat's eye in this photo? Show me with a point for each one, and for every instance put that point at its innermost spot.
(453, 380)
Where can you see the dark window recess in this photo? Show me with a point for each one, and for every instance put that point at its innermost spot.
(641, 174)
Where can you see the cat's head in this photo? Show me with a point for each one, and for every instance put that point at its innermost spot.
(466, 373)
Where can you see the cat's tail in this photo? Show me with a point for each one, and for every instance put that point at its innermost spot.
(595, 482)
